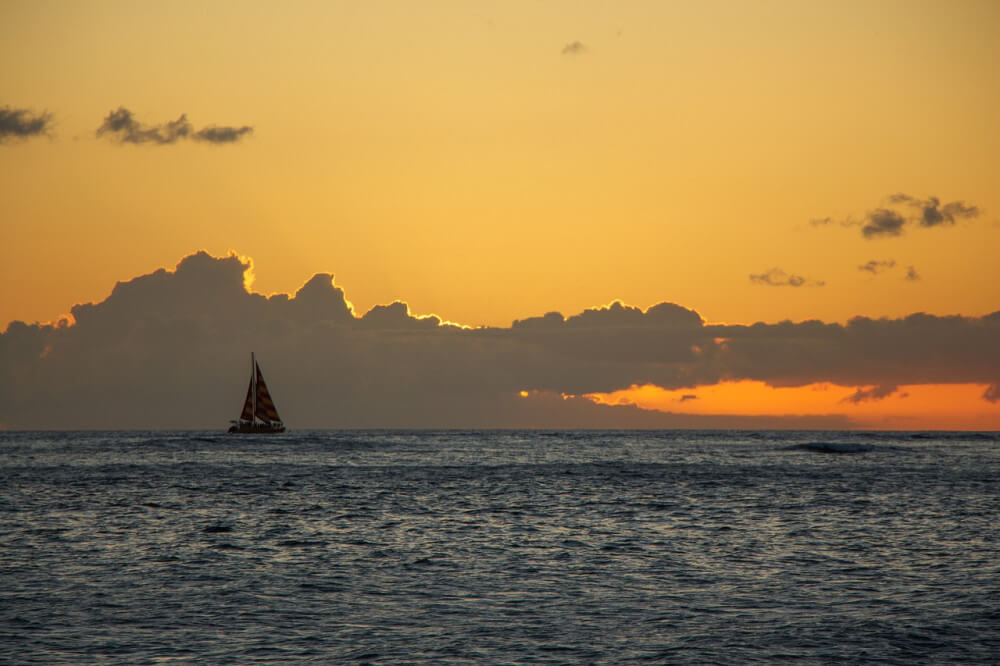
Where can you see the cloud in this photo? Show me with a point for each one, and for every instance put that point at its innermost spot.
(871, 394)
(903, 209)
(875, 267)
(911, 274)
(918, 349)
(169, 350)
(575, 48)
(883, 222)
(23, 123)
(216, 134)
(775, 277)
(688, 396)
(120, 125)
(931, 213)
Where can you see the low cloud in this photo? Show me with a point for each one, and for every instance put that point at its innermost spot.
(911, 274)
(871, 394)
(23, 123)
(170, 349)
(902, 210)
(687, 396)
(875, 267)
(575, 48)
(775, 277)
(121, 125)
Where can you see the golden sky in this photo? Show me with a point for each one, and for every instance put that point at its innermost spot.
(492, 161)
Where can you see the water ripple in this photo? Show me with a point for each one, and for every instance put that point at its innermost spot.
(486, 547)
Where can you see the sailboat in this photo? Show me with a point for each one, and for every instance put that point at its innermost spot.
(259, 415)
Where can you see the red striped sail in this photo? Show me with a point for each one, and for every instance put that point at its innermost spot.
(247, 413)
(266, 410)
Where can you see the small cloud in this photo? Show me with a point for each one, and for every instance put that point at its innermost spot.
(958, 210)
(217, 134)
(121, 125)
(874, 393)
(875, 267)
(992, 393)
(899, 198)
(776, 277)
(686, 397)
(23, 123)
(575, 48)
(883, 222)
(911, 274)
(931, 213)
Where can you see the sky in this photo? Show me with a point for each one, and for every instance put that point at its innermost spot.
(826, 171)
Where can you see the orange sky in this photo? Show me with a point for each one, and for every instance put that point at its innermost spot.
(915, 407)
(493, 161)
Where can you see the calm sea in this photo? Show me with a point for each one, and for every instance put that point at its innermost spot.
(499, 547)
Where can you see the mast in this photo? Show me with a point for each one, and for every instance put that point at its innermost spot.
(253, 382)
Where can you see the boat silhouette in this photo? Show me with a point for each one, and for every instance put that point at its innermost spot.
(259, 415)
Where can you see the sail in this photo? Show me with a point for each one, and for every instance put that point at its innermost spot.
(247, 413)
(265, 406)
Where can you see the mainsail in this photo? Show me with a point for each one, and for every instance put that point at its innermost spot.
(265, 410)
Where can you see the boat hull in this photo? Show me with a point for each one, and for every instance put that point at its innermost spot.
(255, 429)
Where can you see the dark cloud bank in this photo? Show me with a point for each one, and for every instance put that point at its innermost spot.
(23, 123)
(170, 349)
(121, 125)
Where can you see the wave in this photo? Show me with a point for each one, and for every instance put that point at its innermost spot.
(832, 447)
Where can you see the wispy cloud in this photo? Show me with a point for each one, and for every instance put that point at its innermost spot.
(575, 48)
(775, 277)
(23, 123)
(875, 267)
(871, 394)
(121, 125)
(912, 274)
(215, 134)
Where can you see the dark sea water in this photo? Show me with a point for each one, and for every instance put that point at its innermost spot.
(500, 547)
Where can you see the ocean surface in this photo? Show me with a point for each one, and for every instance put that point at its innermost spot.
(499, 547)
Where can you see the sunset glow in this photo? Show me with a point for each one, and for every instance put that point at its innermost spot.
(915, 407)
(776, 194)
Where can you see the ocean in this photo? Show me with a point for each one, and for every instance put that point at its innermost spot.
(486, 547)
